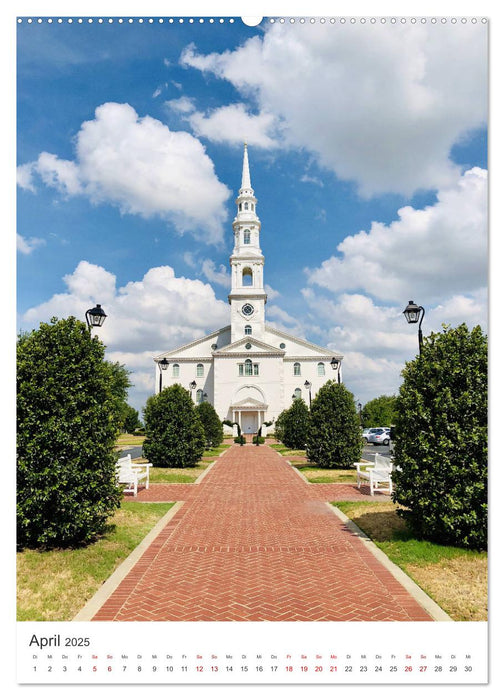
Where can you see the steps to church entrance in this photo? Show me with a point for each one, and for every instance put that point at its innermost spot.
(253, 541)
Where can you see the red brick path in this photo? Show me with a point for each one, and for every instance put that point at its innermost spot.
(253, 541)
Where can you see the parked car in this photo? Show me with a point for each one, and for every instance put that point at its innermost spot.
(379, 436)
(365, 434)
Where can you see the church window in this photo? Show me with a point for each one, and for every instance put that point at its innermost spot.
(248, 346)
(246, 236)
(297, 393)
(247, 277)
(199, 396)
(175, 370)
(248, 330)
(297, 369)
(240, 206)
(248, 369)
(320, 369)
(282, 346)
(245, 206)
(199, 370)
(252, 207)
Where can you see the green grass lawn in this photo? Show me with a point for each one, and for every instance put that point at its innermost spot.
(55, 585)
(127, 439)
(454, 577)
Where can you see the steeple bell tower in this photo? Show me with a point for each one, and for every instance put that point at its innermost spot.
(247, 296)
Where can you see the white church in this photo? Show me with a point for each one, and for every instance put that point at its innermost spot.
(249, 371)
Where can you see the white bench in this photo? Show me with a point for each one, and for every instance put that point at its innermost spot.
(131, 474)
(379, 476)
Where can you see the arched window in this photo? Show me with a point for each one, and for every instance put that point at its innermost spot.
(199, 396)
(245, 206)
(248, 369)
(246, 236)
(240, 206)
(175, 370)
(297, 393)
(297, 369)
(199, 370)
(252, 207)
(247, 277)
(248, 330)
(320, 369)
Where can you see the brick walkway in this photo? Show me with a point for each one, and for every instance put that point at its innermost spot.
(253, 541)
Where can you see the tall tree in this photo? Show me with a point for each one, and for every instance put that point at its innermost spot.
(67, 423)
(214, 433)
(380, 412)
(441, 439)
(334, 437)
(296, 424)
(174, 434)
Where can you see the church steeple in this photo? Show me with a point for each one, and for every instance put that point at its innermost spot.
(245, 185)
(247, 297)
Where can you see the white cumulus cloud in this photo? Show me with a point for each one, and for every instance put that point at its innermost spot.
(139, 165)
(381, 105)
(144, 317)
(426, 254)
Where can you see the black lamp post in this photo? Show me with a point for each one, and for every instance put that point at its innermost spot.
(412, 314)
(95, 317)
(359, 408)
(162, 364)
(308, 386)
(336, 364)
(192, 386)
(205, 396)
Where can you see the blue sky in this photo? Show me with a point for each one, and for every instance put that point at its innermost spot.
(367, 146)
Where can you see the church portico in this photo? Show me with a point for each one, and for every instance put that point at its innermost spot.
(249, 371)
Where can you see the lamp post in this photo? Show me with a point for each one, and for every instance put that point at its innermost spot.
(359, 408)
(162, 364)
(95, 317)
(412, 314)
(308, 386)
(192, 386)
(336, 364)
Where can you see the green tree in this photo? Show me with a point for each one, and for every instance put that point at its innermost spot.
(131, 420)
(174, 434)
(212, 426)
(119, 384)
(379, 412)
(334, 437)
(67, 424)
(441, 439)
(296, 423)
(280, 426)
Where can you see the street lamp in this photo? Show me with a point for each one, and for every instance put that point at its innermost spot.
(205, 396)
(192, 386)
(95, 317)
(412, 314)
(162, 364)
(336, 364)
(359, 408)
(308, 386)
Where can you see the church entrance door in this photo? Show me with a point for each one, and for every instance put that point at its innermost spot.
(249, 422)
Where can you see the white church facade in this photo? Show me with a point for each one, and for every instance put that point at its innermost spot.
(249, 371)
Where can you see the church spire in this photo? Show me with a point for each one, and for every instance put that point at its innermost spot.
(245, 185)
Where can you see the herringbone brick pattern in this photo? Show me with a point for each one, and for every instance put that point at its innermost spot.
(253, 541)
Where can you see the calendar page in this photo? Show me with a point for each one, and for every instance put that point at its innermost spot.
(252, 381)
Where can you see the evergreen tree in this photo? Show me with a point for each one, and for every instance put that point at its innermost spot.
(380, 412)
(68, 418)
(441, 439)
(214, 433)
(334, 437)
(296, 423)
(174, 434)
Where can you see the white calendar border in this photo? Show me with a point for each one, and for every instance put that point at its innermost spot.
(149, 7)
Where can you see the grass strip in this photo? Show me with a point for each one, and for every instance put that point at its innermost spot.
(454, 577)
(54, 585)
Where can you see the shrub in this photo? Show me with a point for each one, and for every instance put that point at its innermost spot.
(240, 439)
(280, 426)
(214, 433)
(174, 434)
(334, 437)
(67, 422)
(131, 420)
(296, 423)
(441, 439)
